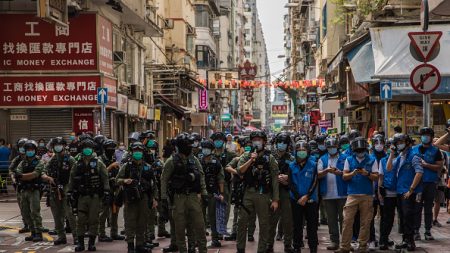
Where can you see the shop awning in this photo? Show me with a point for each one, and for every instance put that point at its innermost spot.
(180, 111)
(337, 59)
(391, 51)
(190, 82)
(362, 63)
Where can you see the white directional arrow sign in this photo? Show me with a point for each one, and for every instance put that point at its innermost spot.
(102, 96)
(385, 90)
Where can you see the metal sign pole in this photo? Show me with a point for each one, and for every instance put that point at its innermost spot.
(386, 118)
(103, 118)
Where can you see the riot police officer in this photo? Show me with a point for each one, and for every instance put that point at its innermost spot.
(260, 172)
(109, 210)
(281, 154)
(184, 177)
(28, 175)
(196, 145)
(88, 187)
(57, 173)
(214, 180)
(12, 174)
(99, 139)
(139, 187)
(132, 138)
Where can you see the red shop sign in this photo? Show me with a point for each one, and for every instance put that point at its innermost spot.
(83, 120)
(48, 90)
(32, 44)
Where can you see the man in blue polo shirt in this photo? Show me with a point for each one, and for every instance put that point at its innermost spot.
(409, 186)
(432, 162)
(360, 170)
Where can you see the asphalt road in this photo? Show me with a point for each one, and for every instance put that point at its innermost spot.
(12, 241)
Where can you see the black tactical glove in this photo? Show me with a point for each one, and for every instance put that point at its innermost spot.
(106, 198)
(164, 215)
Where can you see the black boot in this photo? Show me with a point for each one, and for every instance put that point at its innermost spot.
(171, 248)
(60, 241)
(232, 237)
(38, 237)
(30, 237)
(131, 247)
(269, 249)
(25, 229)
(240, 250)
(118, 237)
(143, 249)
(251, 238)
(80, 245)
(104, 238)
(91, 243)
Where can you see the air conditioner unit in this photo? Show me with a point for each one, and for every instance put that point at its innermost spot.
(119, 56)
(135, 91)
(168, 23)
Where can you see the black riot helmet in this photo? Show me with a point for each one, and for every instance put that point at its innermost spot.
(353, 134)
(331, 142)
(313, 145)
(218, 136)
(401, 137)
(197, 139)
(359, 144)
(427, 131)
(207, 144)
(109, 144)
(344, 140)
(183, 143)
(84, 137)
(283, 138)
(320, 139)
(133, 137)
(149, 134)
(378, 138)
(258, 133)
(21, 142)
(87, 143)
(137, 146)
(30, 144)
(57, 141)
(99, 139)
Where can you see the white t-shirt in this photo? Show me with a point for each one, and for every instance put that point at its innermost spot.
(332, 191)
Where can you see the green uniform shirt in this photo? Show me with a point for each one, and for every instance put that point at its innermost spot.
(221, 175)
(14, 164)
(38, 170)
(71, 160)
(168, 171)
(101, 170)
(273, 165)
(122, 176)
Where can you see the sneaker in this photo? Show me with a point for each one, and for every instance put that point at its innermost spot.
(171, 248)
(437, 224)
(383, 246)
(411, 246)
(215, 244)
(401, 245)
(428, 236)
(372, 246)
(52, 232)
(232, 237)
(164, 234)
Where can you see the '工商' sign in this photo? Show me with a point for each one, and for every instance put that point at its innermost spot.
(32, 44)
(49, 91)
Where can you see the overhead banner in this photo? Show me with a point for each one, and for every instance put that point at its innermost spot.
(32, 44)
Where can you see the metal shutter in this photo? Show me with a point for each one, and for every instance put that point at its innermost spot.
(49, 123)
(107, 130)
(18, 128)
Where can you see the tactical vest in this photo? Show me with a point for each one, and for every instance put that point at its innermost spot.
(15, 162)
(60, 171)
(28, 167)
(258, 175)
(142, 181)
(212, 170)
(223, 158)
(185, 177)
(87, 179)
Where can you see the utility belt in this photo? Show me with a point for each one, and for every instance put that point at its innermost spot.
(89, 192)
(185, 191)
(28, 187)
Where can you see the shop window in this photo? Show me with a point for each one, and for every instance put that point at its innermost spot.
(128, 70)
(202, 16)
(190, 44)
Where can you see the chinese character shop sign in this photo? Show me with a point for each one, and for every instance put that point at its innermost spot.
(203, 99)
(48, 90)
(31, 44)
(83, 120)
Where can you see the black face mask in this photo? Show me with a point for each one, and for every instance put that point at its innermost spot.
(185, 150)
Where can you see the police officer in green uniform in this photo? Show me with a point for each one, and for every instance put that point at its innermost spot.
(224, 157)
(139, 187)
(28, 175)
(57, 173)
(235, 191)
(183, 176)
(281, 154)
(88, 189)
(260, 172)
(109, 210)
(12, 174)
(214, 180)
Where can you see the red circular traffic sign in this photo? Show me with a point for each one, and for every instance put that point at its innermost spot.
(425, 78)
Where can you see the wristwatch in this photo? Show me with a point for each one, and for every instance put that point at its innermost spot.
(411, 189)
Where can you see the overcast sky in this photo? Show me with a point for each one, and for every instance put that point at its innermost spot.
(271, 14)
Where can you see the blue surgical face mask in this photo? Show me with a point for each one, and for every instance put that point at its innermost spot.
(302, 154)
(88, 151)
(58, 148)
(137, 155)
(218, 143)
(379, 147)
(30, 153)
(206, 151)
(332, 151)
(401, 147)
(247, 148)
(41, 144)
(425, 139)
(21, 150)
(322, 147)
(150, 143)
(281, 146)
(72, 138)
